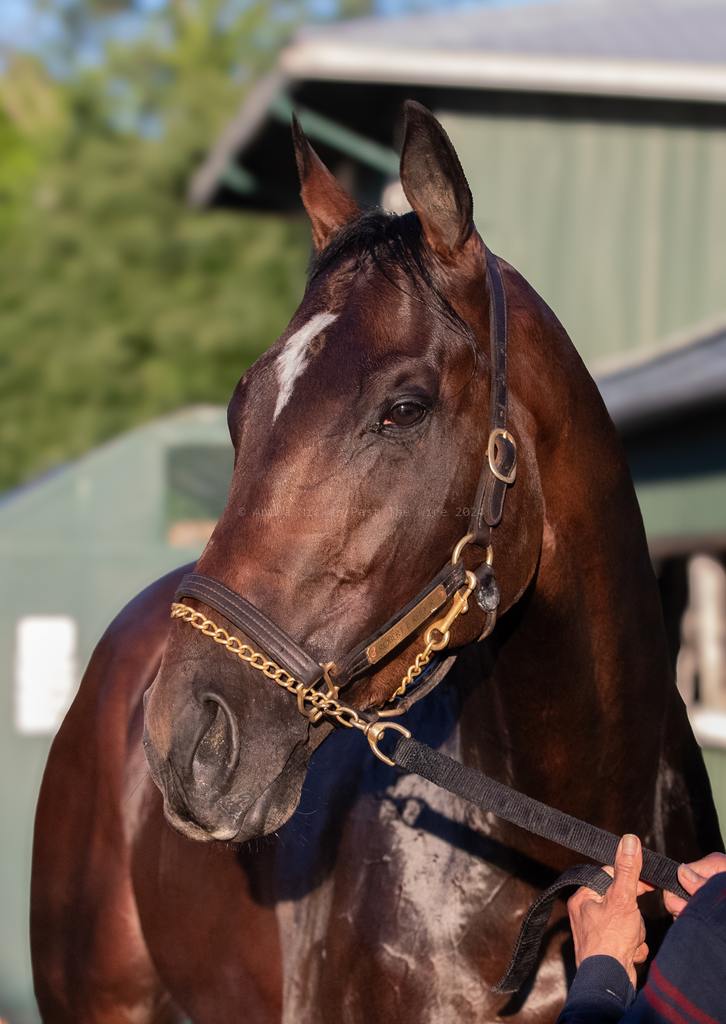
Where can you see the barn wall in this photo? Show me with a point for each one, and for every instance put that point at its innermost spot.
(679, 469)
(618, 221)
(80, 544)
(715, 759)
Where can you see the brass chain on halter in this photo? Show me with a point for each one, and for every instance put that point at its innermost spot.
(315, 703)
(438, 635)
(436, 638)
(320, 703)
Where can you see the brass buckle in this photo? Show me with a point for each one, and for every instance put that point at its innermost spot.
(373, 733)
(496, 434)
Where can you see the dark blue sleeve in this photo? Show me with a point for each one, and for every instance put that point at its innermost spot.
(687, 979)
(600, 993)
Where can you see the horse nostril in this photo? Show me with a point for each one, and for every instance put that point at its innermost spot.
(218, 748)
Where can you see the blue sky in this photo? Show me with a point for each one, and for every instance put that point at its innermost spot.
(15, 25)
(18, 27)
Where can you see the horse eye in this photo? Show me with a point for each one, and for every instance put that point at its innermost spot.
(405, 414)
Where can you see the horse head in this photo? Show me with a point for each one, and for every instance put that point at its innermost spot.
(359, 440)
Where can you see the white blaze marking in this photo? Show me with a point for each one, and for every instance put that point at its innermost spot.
(294, 357)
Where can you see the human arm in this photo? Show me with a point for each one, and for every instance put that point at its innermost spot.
(687, 975)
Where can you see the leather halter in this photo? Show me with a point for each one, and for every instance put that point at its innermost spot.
(452, 584)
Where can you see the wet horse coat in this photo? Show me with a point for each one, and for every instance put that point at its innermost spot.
(359, 439)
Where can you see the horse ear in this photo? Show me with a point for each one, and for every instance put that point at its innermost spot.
(328, 205)
(434, 182)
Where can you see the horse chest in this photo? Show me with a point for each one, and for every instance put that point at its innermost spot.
(410, 911)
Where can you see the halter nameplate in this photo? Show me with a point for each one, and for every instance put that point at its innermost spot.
(407, 625)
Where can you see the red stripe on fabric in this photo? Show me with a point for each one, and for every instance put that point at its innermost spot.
(678, 998)
(665, 1009)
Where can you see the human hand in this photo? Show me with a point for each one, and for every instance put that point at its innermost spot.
(612, 925)
(692, 876)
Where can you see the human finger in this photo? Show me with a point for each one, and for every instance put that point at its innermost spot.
(643, 887)
(675, 905)
(582, 895)
(641, 953)
(692, 876)
(708, 866)
(628, 862)
(690, 879)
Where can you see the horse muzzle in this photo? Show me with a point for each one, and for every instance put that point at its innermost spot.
(212, 784)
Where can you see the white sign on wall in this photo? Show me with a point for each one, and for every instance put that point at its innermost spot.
(45, 672)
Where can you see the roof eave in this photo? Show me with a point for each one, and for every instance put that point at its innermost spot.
(240, 131)
(687, 374)
(338, 61)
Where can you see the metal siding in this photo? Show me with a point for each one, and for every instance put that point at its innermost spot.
(679, 469)
(711, 266)
(81, 543)
(683, 507)
(716, 766)
(618, 225)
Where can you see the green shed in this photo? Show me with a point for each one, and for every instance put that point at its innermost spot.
(74, 547)
(593, 136)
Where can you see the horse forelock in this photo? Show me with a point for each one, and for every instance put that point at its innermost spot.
(394, 245)
(378, 280)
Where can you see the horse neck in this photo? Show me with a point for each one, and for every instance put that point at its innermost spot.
(575, 682)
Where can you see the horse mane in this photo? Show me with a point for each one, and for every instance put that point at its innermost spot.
(390, 242)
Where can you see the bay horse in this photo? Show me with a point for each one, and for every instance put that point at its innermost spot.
(359, 438)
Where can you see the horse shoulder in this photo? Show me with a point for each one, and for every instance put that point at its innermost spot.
(87, 945)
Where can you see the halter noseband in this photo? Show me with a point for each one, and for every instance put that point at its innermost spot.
(286, 663)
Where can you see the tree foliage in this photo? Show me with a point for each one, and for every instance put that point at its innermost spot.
(118, 302)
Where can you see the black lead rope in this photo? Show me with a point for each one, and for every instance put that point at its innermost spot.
(547, 822)
(527, 945)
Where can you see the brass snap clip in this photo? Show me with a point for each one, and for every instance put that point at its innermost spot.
(438, 634)
(373, 733)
